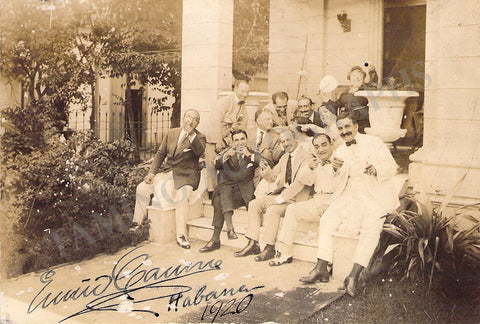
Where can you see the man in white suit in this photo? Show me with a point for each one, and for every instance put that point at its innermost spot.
(365, 164)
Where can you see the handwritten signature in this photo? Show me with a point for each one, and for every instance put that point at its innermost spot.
(130, 284)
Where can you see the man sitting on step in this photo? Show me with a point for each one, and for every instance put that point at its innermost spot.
(327, 187)
(237, 167)
(174, 174)
(287, 187)
(366, 167)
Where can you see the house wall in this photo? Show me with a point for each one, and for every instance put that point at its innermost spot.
(330, 50)
(452, 101)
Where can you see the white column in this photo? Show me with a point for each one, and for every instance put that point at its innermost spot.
(207, 37)
(452, 101)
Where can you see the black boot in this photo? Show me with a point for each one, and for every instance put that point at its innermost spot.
(318, 273)
(267, 253)
(251, 248)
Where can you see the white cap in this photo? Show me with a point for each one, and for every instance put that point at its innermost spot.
(328, 84)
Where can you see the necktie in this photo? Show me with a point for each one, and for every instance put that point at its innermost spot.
(182, 139)
(288, 171)
(260, 140)
(325, 162)
(241, 102)
(351, 142)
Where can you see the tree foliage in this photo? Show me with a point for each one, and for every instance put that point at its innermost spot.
(250, 37)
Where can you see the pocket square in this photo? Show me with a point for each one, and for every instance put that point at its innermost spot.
(186, 150)
(249, 165)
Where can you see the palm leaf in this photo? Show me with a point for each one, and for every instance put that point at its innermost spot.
(390, 248)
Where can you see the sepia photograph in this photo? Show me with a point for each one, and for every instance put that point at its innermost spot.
(240, 161)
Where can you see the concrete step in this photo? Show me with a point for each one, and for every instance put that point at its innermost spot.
(304, 248)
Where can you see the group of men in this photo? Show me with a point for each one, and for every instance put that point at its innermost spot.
(303, 164)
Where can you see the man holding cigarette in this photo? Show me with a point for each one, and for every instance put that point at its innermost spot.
(364, 163)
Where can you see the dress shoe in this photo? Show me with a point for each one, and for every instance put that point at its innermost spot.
(232, 235)
(315, 275)
(280, 259)
(183, 242)
(251, 248)
(210, 246)
(350, 286)
(267, 254)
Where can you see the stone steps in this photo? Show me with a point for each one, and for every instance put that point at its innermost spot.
(305, 245)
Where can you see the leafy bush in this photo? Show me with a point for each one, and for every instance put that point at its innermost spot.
(67, 199)
(426, 241)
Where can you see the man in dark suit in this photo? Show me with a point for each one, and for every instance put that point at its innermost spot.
(177, 160)
(235, 189)
(229, 113)
(305, 109)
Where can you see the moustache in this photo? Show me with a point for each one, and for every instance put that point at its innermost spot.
(346, 134)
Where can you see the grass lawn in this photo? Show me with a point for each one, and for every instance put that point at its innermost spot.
(388, 300)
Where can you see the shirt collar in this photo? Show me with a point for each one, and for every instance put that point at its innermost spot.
(295, 151)
(236, 98)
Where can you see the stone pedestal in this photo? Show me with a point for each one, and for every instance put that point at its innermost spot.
(386, 112)
(162, 225)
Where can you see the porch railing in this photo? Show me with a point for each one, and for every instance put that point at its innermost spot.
(150, 128)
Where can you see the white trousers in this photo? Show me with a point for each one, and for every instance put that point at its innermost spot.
(299, 211)
(166, 197)
(354, 210)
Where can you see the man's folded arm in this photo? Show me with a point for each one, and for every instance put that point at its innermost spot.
(198, 144)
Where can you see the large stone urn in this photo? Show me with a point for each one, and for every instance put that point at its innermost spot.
(386, 112)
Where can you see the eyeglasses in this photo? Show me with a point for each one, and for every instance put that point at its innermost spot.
(282, 107)
(304, 106)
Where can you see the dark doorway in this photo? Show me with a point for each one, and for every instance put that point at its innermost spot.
(404, 59)
(137, 116)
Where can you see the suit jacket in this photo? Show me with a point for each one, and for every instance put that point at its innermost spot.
(317, 119)
(270, 148)
(181, 159)
(299, 188)
(226, 114)
(238, 171)
(373, 151)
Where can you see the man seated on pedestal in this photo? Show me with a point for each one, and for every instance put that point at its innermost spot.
(327, 186)
(365, 165)
(237, 167)
(174, 174)
(287, 187)
(267, 142)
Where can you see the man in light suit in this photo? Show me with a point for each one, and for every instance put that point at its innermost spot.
(282, 108)
(287, 188)
(266, 141)
(366, 167)
(174, 173)
(228, 114)
(237, 166)
(327, 187)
